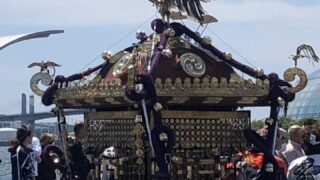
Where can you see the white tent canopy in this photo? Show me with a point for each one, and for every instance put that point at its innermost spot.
(6, 134)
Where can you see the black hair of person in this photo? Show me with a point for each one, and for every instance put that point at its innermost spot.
(77, 127)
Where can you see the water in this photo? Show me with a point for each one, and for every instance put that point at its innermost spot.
(5, 165)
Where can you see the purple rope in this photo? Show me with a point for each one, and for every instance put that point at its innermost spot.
(181, 29)
(157, 53)
(47, 98)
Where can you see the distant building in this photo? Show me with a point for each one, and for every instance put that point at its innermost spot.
(40, 128)
(6, 135)
(10, 124)
(307, 101)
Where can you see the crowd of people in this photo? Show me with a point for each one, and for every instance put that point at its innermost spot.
(34, 159)
(297, 152)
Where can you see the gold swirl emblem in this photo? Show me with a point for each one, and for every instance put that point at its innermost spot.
(44, 78)
(192, 64)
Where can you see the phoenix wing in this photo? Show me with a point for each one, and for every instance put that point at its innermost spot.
(34, 64)
(190, 8)
(308, 52)
(52, 64)
(186, 9)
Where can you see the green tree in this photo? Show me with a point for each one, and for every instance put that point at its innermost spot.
(257, 124)
(286, 122)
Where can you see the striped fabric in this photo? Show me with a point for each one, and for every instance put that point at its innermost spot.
(22, 167)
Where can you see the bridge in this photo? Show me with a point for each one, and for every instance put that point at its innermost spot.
(32, 116)
(15, 120)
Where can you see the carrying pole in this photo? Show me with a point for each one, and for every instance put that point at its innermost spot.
(64, 135)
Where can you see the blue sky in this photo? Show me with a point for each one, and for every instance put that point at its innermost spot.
(266, 33)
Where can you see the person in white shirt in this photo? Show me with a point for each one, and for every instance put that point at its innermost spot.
(293, 149)
(36, 148)
(307, 166)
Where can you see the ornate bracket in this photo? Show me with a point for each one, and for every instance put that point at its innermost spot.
(303, 51)
(289, 75)
(46, 80)
(44, 76)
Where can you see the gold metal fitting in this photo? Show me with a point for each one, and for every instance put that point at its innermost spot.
(207, 40)
(163, 137)
(141, 35)
(157, 106)
(177, 160)
(131, 77)
(106, 55)
(170, 32)
(228, 56)
(167, 53)
(281, 101)
(138, 118)
(139, 152)
(259, 72)
(269, 121)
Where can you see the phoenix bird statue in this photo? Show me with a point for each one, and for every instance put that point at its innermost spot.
(305, 51)
(184, 9)
(44, 66)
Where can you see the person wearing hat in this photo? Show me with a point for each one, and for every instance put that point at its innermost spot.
(21, 160)
(307, 166)
(51, 157)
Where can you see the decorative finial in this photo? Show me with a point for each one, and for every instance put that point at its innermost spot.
(141, 35)
(207, 40)
(259, 72)
(228, 56)
(45, 76)
(106, 55)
